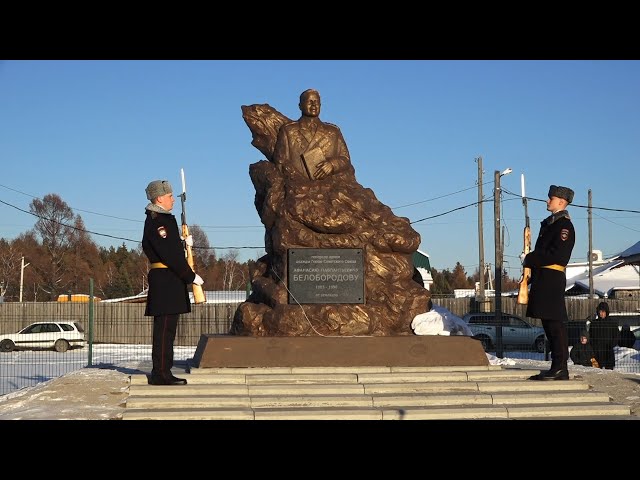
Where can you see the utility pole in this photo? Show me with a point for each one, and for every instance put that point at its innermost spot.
(23, 266)
(497, 277)
(589, 255)
(480, 298)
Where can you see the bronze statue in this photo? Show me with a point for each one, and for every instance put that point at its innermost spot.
(307, 196)
(310, 147)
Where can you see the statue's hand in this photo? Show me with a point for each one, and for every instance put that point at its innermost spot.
(324, 168)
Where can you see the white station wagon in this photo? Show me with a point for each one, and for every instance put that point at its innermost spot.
(59, 336)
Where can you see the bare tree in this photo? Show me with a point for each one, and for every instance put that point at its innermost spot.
(10, 264)
(55, 228)
(141, 267)
(230, 260)
(202, 252)
(82, 261)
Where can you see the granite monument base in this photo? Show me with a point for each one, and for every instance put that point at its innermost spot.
(401, 351)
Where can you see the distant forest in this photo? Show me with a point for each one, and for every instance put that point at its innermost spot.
(60, 257)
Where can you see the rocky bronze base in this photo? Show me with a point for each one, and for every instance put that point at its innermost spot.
(402, 351)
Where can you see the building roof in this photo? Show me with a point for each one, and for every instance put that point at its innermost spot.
(223, 296)
(211, 296)
(623, 277)
(421, 260)
(619, 272)
(631, 254)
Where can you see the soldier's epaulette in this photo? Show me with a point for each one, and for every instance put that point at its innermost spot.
(332, 125)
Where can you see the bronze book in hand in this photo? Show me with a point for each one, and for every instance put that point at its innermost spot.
(311, 160)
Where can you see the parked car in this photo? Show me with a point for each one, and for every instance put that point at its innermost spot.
(59, 336)
(516, 332)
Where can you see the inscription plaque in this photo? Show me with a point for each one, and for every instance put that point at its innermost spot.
(326, 275)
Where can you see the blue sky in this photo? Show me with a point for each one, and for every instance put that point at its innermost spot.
(96, 132)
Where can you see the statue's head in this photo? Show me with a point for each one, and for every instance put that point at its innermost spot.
(310, 103)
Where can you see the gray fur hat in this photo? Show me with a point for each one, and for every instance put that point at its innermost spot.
(157, 188)
(561, 192)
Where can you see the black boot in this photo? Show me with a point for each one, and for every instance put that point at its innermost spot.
(167, 379)
(539, 376)
(176, 381)
(556, 374)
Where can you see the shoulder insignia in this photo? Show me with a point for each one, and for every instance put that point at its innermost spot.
(564, 234)
(288, 126)
(162, 231)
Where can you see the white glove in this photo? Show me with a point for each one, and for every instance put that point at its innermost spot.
(198, 280)
(188, 240)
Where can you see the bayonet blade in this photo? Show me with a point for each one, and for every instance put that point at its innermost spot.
(184, 185)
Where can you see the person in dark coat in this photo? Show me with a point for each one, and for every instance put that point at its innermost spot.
(604, 336)
(627, 338)
(168, 278)
(582, 352)
(548, 261)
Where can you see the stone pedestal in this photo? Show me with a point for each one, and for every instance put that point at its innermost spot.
(401, 351)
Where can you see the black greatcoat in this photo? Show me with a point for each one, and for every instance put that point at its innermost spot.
(161, 242)
(553, 247)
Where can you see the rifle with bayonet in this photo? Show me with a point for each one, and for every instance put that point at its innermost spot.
(523, 291)
(198, 293)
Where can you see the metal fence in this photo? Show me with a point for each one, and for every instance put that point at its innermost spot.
(116, 333)
(119, 333)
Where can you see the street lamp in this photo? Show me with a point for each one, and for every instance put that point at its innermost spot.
(24, 265)
(498, 259)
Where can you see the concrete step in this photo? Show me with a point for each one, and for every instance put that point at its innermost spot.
(378, 393)
(363, 400)
(321, 377)
(141, 390)
(484, 412)
(487, 387)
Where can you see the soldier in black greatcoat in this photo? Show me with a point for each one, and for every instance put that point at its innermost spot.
(168, 278)
(548, 261)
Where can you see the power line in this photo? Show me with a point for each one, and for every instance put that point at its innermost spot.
(121, 218)
(438, 198)
(262, 247)
(576, 205)
(614, 223)
(112, 236)
(449, 211)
